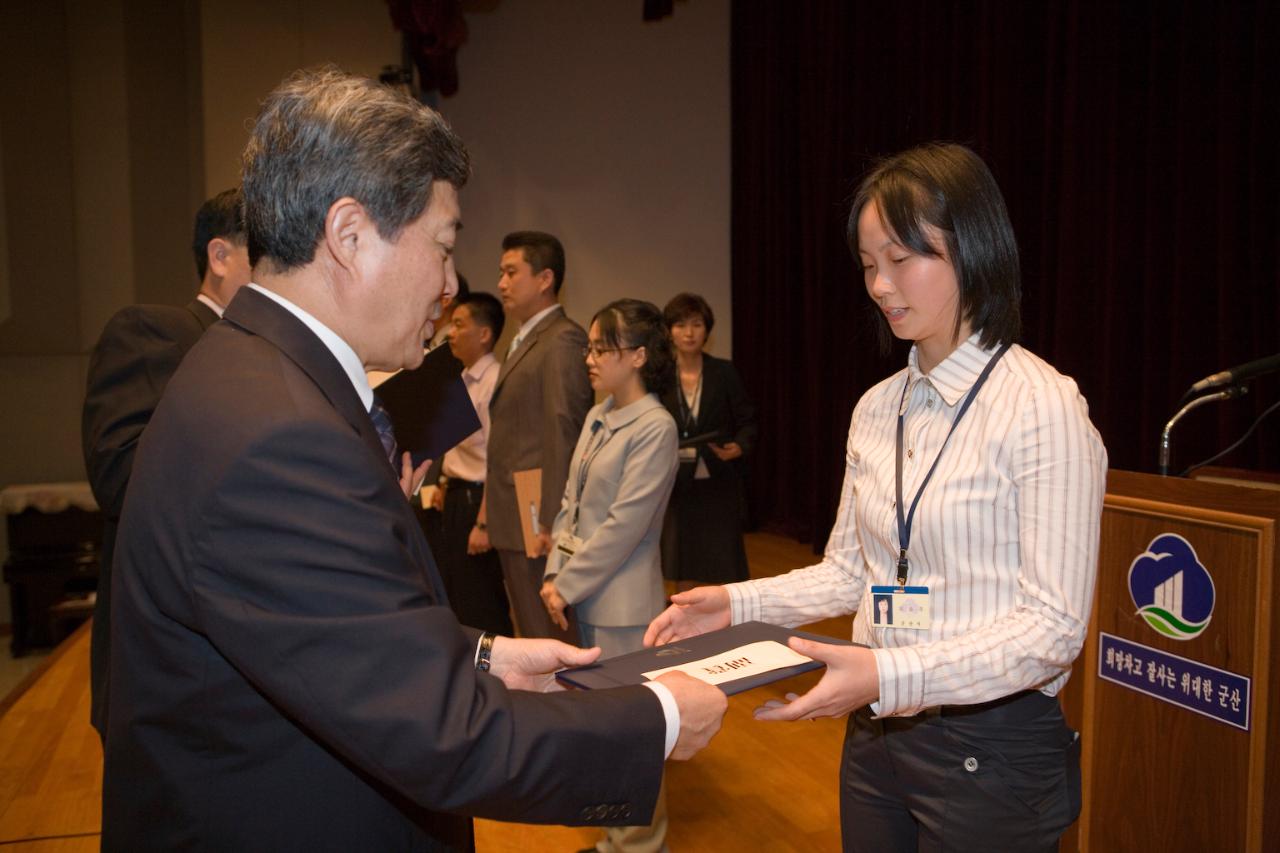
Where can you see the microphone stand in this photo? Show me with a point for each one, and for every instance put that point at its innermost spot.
(1225, 394)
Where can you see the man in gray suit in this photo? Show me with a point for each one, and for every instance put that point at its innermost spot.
(538, 405)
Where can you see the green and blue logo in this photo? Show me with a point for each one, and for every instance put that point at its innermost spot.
(1171, 588)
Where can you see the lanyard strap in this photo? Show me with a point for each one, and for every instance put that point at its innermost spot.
(589, 454)
(904, 522)
(689, 409)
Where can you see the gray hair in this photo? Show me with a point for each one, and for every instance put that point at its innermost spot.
(323, 135)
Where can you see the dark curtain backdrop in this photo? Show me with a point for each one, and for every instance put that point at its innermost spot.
(1136, 146)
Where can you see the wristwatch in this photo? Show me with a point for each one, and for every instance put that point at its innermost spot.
(484, 652)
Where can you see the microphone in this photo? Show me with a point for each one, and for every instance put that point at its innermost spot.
(1236, 375)
(1225, 394)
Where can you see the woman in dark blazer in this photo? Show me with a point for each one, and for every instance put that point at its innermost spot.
(702, 537)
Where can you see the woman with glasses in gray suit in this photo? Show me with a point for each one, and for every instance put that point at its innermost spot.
(605, 559)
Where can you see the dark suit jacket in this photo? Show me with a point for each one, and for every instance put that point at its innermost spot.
(285, 672)
(724, 408)
(136, 355)
(538, 405)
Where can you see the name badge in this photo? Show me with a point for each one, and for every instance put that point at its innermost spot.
(568, 544)
(900, 607)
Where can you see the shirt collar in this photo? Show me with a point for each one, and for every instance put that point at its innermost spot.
(477, 371)
(527, 326)
(955, 375)
(341, 350)
(207, 300)
(617, 418)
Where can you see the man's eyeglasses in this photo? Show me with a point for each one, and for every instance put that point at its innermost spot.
(595, 351)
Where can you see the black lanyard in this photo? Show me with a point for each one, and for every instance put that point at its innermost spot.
(687, 417)
(904, 522)
(584, 467)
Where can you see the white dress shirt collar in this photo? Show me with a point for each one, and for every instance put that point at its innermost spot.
(213, 306)
(955, 374)
(476, 372)
(341, 350)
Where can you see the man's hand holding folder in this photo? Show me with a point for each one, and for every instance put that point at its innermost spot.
(702, 710)
(851, 679)
(529, 664)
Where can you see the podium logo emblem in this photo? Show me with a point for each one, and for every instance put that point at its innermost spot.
(1172, 590)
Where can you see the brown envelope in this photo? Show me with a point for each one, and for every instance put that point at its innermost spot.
(529, 499)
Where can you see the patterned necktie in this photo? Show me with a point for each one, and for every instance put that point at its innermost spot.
(382, 423)
(515, 343)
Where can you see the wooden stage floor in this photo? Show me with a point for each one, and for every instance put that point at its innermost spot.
(759, 786)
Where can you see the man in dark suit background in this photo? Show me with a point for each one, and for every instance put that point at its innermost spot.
(136, 355)
(538, 406)
(286, 673)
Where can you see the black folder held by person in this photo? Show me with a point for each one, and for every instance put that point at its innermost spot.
(713, 437)
(727, 658)
(430, 408)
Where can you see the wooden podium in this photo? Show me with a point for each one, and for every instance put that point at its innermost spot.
(1182, 754)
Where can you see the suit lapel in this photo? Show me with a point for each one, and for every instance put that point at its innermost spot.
(260, 315)
(526, 345)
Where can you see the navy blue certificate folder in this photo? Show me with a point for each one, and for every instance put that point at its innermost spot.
(630, 668)
(429, 406)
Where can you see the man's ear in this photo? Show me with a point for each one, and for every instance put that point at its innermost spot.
(546, 281)
(218, 251)
(347, 230)
(486, 338)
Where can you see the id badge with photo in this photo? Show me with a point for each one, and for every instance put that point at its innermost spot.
(900, 607)
(568, 544)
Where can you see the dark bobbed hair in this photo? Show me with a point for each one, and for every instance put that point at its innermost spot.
(541, 251)
(221, 216)
(486, 310)
(947, 186)
(322, 135)
(636, 323)
(685, 305)
(464, 289)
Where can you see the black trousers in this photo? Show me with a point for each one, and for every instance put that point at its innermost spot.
(473, 581)
(1000, 776)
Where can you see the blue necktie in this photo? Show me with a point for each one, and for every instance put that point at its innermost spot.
(386, 434)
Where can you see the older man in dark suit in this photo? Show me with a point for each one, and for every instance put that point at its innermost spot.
(136, 355)
(538, 406)
(286, 671)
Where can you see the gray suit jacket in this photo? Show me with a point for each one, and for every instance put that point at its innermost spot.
(538, 405)
(615, 576)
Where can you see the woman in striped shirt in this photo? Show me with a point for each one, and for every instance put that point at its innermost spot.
(966, 540)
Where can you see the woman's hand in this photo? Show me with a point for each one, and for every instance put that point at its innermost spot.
(555, 604)
(702, 609)
(851, 681)
(726, 452)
